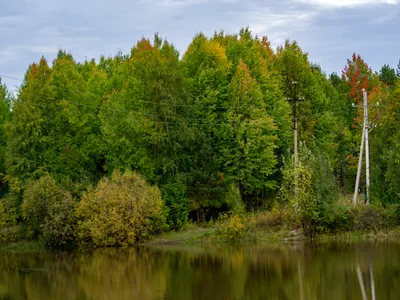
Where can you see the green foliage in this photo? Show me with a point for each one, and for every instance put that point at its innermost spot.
(233, 199)
(177, 204)
(311, 189)
(385, 148)
(247, 140)
(388, 75)
(211, 130)
(323, 181)
(48, 212)
(5, 117)
(120, 211)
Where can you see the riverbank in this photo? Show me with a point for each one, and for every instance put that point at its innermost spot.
(197, 235)
(341, 223)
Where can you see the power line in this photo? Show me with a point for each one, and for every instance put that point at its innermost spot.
(152, 102)
(145, 101)
(103, 109)
(108, 109)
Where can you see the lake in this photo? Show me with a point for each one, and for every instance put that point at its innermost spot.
(305, 271)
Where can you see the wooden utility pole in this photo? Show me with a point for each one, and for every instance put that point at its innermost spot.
(366, 128)
(360, 159)
(364, 139)
(294, 101)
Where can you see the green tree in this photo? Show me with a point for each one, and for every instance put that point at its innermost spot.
(385, 183)
(5, 117)
(55, 127)
(27, 132)
(387, 75)
(247, 140)
(206, 66)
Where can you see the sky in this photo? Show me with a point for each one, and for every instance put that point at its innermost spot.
(330, 31)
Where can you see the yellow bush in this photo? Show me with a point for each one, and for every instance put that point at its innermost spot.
(120, 211)
(232, 228)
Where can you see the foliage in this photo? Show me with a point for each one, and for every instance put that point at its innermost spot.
(231, 228)
(211, 129)
(5, 117)
(48, 212)
(175, 198)
(388, 75)
(120, 211)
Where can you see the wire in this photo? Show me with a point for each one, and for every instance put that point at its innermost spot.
(103, 108)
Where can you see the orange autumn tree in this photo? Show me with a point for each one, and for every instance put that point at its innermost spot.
(356, 76)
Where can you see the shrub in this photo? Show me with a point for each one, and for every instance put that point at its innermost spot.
(8, 231)
(296, 190)
(48, 212)
(120, 211)
(7, 212)
(231, 228)
(394, 214)
(370, 218)
(275, 218)
(233, 198)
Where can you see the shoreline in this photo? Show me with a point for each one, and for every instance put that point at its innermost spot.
(205, 236)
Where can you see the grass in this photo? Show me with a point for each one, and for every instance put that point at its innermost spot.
(192, 235)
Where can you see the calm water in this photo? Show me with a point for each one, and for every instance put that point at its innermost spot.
(300, 271)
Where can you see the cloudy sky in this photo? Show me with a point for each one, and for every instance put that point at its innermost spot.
(329, 30)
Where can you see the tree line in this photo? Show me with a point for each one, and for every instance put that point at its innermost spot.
(211, 128)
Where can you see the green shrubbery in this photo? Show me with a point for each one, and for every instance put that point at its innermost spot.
(174, 195)
(120, 211)
(334, 219)
(48, 212)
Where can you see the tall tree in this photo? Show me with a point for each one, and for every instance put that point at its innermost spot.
(206, 66)
(387, 75)
(5, 117)
(247, 140)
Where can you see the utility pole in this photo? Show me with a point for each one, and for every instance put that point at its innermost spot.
(360, 159)
(366, 128)
(364, 139)
(296, 158)
(294, 101)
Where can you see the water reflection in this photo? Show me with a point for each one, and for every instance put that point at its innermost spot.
(299, 271)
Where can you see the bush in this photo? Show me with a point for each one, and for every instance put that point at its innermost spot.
(274, 219)
(370, 218)
(8, 231)
(394, 215)
(120, 211)
(48, 212)
(231, 228)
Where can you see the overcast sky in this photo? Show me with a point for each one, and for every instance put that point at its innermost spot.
(329, 30)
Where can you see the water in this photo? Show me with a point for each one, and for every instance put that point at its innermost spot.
(297, 271)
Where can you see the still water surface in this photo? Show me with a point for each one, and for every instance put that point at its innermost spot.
(297, 271)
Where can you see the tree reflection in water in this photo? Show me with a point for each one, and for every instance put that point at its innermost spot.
(298, 271)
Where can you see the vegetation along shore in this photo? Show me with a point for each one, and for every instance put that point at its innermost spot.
(157, 147)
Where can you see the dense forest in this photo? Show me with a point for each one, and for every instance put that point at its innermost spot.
(153, 139)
